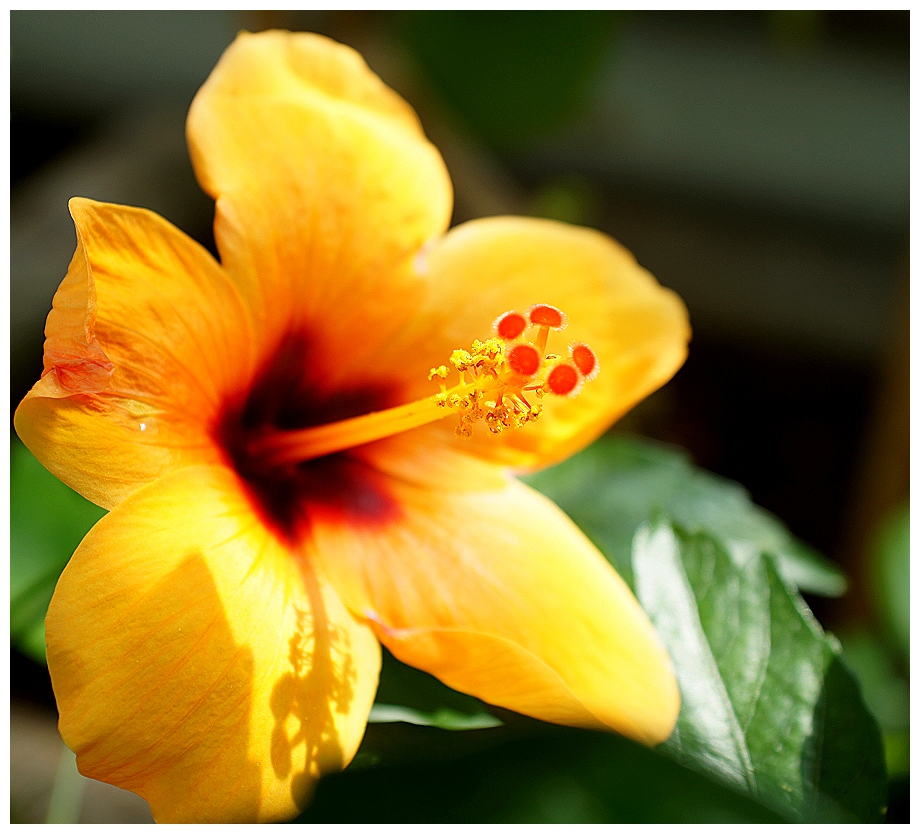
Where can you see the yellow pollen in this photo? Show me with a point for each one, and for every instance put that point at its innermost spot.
(489, 390)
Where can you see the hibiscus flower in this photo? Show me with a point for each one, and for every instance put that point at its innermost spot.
(307, 450)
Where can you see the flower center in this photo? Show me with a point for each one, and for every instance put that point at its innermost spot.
(497, 378)
(287, 395)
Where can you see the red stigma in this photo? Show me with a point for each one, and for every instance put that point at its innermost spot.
(584, 360)
(510, 325)
(548, 316)
(563, 379)
(524, 359)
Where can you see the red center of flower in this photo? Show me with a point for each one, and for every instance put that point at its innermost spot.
(496, 379)
(283, 397)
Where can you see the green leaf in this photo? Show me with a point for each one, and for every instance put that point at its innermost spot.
(886, 691)
(511, 76)
(444, 719)
(767, 705)
(47, 522)
(617, 484)
(530, 773)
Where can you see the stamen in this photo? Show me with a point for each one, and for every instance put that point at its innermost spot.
(495, 377)
(545, 317)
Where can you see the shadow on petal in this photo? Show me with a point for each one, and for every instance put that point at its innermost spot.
(306, 700)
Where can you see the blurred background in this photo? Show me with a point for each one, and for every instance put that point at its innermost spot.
(756, 162)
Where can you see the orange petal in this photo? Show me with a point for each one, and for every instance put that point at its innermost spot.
(637, 329)
(499, 595)
(200, 664)
(325, 185)
(146, 336)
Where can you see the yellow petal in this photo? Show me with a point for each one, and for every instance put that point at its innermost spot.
(499, 595)
(199, 663)
(637, 328)
(325, 185)
(146, 338)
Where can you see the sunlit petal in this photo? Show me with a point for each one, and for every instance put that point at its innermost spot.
(637, 328)
(147, 337)
(325, 185)
(199, 663)
(498, 594)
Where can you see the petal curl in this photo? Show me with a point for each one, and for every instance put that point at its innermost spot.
(146, 337)
(499, 595)
(325, 185)
(638, 329)
(198, 663)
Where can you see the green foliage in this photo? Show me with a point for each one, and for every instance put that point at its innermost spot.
(445, 719)
(524, 772)
(511, 76)
(883, 659)
(47, 522)
(886, 691)
(767, 704)
(570, 199)
(619, 483)
(891, 559)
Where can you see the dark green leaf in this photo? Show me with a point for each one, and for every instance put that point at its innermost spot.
(767, 705)
(617, 484)
(536, 773)
(47, 522)
(511, 76)
(886, 690)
